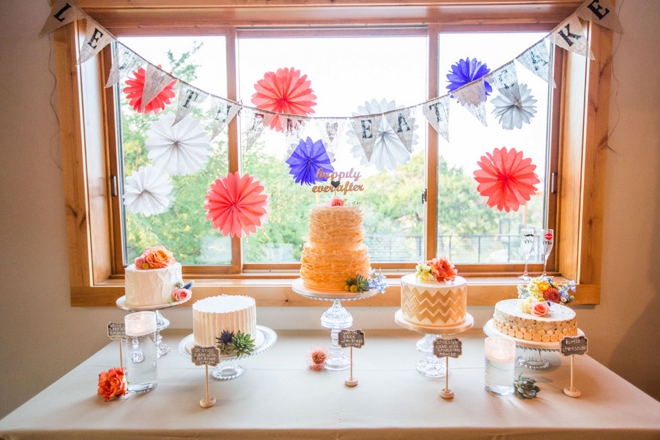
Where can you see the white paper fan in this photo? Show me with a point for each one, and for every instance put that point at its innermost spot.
(147, 191)
(388, 151)
(513, 112)
(181, 149)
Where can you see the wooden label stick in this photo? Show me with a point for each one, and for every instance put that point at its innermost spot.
(117, 330)
(205, 356)
(571, 346)
(447, 348)
(351, 338)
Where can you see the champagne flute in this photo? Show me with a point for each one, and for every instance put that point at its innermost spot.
(548, 240)
(526, 247)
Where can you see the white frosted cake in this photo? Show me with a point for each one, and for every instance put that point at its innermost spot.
(433, 303)
(510, 320)
(151, 287)
(212, 316)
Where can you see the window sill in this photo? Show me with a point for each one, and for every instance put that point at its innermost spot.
(482, 291)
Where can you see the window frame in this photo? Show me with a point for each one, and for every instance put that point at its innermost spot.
(96, 273)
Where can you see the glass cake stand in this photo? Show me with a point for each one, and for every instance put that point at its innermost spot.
(431, 366)
(161, 322)
(335, 318)
(228, 368)
(529, 358)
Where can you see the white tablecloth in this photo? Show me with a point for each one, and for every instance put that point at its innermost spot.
(279, 397)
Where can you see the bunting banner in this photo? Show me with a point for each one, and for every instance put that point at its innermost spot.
(569, 35)
(223, 112)
(189, 98)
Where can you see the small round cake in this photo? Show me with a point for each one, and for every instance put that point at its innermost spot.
(433, 303)
(152, 287)
(212, 316)
(510, 320)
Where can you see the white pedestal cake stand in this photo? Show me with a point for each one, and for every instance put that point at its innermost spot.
(161, 322)
(431, 366)
(335, 318)
(227, 368)
(532, 362)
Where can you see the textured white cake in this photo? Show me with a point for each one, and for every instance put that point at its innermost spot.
(151, 287)
(559, 322)
(229, 313)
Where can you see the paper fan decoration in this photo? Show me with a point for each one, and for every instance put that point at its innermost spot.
(236, 204)
(180, 149)
(513, 111)
(147, 191)
(388, 150)
(135, 87)
(465, 71)
(307, 159)
(284, 91)
(506, 179)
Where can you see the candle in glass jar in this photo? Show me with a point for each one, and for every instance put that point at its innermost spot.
(500, 356)
(140, 323)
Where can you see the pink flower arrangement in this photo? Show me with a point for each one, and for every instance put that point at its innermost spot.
(156, 257)
(179, 295)
(442, 269)
(317, 357)
(112, 383)
(336, 201)
(540, 308)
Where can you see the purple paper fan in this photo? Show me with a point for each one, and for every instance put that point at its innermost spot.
(466, 71)
(306, 160)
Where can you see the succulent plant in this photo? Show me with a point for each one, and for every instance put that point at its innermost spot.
(525, 387)
(242, 344)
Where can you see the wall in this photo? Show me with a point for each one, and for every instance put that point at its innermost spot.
(42, 337)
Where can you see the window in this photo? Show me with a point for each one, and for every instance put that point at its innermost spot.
(103, 237)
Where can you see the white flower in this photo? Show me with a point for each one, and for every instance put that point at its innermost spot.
(513, 112)
(181, 149)
(388, 151)
(147, 190)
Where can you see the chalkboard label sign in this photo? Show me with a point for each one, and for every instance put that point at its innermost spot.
(205, 355)
(447, 347)
(573, 345)
(351, 338)
(116, 330)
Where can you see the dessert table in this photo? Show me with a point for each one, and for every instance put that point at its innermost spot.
(278, 396)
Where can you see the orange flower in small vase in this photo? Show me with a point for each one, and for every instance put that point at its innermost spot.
(112, 383)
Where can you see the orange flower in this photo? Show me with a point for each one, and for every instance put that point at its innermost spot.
(156, 257)
(442, 269)
(317, 357)
(336, 201)
(552, 295)
(112, 383)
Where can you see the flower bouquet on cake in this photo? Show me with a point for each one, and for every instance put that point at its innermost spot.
(541, 292)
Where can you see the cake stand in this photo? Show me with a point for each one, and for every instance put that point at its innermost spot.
(431, 366)
(161, 322)
(227, 368)
(335, 318)
(532, 361)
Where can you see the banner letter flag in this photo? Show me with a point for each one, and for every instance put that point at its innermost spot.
(472, 97)
(505, 79)
(96, 38)
(366, 129)
(570, 35)
(124, 61)
(437, 113)
(256, 121)
(537, 60)
(189, 98)
(329, 129)
(62, 13)
(223, 112)
(601, 12)
(155, 81)
(292, 126)
(403, 123)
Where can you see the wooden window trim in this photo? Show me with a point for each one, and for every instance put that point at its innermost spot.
(583, 125)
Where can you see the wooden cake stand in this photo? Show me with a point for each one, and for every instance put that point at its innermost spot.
(431, 366)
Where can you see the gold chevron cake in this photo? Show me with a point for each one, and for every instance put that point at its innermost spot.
(433, 303)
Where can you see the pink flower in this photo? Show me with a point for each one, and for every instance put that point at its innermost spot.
(180, 295)
(140, 263)
(336, 201)
(540, 308)
(317, 357)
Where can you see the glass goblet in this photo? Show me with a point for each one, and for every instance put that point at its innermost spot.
(526, 247)
(548, 241)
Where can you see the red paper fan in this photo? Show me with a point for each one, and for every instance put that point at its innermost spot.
(236, 204)
(506, 179)
(284, 91)
(135, 87)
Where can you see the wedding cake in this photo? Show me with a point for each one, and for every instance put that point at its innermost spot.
(215, 315)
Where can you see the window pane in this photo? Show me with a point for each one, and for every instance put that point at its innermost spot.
(468, 231)
(346, 74)
(182, 227)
